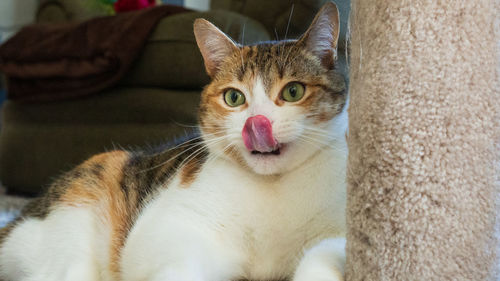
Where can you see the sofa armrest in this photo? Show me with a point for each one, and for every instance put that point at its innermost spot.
(52, 12)
(57, 11)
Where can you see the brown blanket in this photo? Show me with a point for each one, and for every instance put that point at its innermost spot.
(46, 62)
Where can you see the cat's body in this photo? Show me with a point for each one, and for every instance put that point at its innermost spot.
(254, 227)
(233, 204)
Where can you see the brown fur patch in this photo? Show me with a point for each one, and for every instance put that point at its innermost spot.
(100, 188)
(4, 233)
(190, 169)
(235, 155)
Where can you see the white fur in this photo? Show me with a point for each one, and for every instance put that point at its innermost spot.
(324, 262)
(61, 247)
(231, 222)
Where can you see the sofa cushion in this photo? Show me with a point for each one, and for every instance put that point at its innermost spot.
(40, 141)
(171, 59)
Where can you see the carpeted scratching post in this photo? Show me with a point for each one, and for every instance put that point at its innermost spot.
(423, 125)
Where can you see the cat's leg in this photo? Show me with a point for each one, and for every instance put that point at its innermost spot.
(323, 262)
(56, 248)
(178, 250)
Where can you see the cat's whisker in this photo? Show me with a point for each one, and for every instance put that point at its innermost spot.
(285, 61)
(241, 48)
(242, 62)
(321, 134)
(208, 141)
(312, 114)
(278, 62)
(289, 20)
(192, 156)
(333, 145)
(230, 136)
(185, 143)
(321, 146)
(184, 125)
(325, 144)
(200, 150)
(170, 159)
(306, 141)
(316, 129)
(217, 133)
(243, 34)
(214, 157)
(282, 59)
(213, 127)
(193, 146)
(318, 145)
(316, 140)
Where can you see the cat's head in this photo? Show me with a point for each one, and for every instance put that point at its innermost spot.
(273, 105)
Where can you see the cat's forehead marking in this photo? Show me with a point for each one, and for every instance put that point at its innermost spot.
(266, 64)
(266, 60)
(261, 101)
(247, 67)
(259, 92)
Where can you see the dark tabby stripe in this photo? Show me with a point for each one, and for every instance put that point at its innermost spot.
(146, 171)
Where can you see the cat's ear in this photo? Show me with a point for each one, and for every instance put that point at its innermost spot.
(214, 45)
(322, 36)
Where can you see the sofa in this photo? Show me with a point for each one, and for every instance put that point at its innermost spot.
(155, 101)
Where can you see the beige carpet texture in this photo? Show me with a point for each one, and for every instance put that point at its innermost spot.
(423, 129)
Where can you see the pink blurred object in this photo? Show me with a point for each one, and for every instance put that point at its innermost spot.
(132, 5)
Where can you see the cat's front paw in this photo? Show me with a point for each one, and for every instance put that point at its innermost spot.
(179, 273)
(323, 262)
(322, 275)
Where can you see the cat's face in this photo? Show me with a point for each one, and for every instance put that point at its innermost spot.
(272, 106)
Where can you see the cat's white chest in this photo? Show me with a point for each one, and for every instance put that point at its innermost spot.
(281, 219)
(261, 225)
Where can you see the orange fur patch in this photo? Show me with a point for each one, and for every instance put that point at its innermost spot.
(4, 232)
(190, 169)
(101, 189)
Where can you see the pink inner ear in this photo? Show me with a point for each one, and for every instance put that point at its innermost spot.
(258, 134)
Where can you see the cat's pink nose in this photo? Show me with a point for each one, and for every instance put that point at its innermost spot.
(258, 134)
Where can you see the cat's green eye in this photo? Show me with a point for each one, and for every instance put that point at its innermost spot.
(234, 98)
(293, 92)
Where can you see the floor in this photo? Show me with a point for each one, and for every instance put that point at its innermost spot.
(9, 206)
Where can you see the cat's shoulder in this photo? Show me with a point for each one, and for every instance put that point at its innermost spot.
(132, 174)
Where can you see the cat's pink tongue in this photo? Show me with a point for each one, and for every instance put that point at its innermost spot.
(258, 134)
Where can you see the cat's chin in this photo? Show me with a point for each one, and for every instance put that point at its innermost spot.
(276, 162)
(266, 163)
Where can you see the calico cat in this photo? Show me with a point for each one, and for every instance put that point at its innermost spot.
(260, 195)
